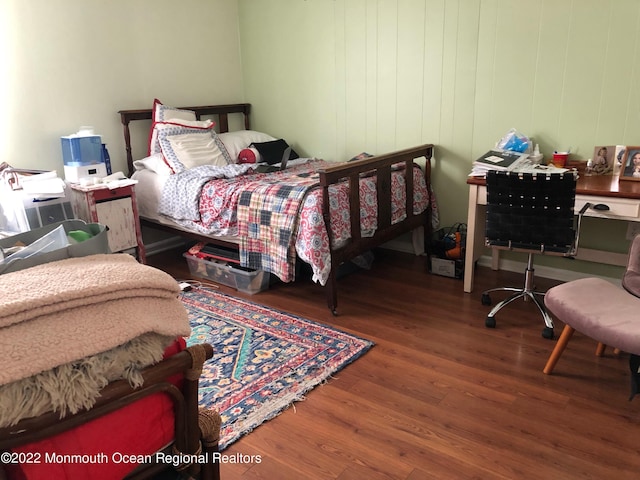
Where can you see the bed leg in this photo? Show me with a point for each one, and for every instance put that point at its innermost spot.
(332, 293)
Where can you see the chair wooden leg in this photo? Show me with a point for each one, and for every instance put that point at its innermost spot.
(561, 344)
(601, 348)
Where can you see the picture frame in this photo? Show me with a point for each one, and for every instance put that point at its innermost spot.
(603, 161)
(630, 168)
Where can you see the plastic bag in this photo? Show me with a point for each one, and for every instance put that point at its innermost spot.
(515, 141)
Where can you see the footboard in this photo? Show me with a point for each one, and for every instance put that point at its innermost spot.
(380, 167)
(190, 422)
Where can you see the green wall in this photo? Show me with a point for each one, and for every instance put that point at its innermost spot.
(67, 63)
(336, 78)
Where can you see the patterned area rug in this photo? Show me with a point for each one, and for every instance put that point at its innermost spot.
(263, 359)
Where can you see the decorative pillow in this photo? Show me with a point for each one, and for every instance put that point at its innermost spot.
(163, 113)
(237, 141)
(187, 147)
(155, 163)
(272, 152)
(154, 146)
(193, 150)
(249, 155)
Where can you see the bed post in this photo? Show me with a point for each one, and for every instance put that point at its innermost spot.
(331, 285)
(428, 228)
(127, 143)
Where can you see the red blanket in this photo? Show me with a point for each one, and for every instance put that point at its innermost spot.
(105, 448)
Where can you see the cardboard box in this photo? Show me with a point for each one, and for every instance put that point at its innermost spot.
(446, 267)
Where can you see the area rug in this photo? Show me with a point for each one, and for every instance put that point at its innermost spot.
(263, 360)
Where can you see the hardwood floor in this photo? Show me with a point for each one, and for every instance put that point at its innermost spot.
(440, 396)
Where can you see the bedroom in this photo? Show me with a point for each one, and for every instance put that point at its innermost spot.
(335, 78)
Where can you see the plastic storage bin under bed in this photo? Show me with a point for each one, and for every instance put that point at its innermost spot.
(243, 280)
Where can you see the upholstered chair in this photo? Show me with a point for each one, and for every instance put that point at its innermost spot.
(600, 310)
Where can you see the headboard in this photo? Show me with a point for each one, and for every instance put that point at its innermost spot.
(220, 111)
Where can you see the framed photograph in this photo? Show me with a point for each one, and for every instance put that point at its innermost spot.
(603, 161)
(630, 169)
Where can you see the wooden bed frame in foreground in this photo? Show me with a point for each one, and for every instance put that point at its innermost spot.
(380, 166)
(196, 430)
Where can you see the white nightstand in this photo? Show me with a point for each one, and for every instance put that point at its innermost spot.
(117, 209)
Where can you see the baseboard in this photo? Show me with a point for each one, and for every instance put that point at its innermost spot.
(542, 271)
(407, 247)
(159, 246)
(399, 246)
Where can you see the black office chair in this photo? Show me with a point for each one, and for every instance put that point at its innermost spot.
(531, 213)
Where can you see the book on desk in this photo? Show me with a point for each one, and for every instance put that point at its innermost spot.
(499, 160)
(509, 161)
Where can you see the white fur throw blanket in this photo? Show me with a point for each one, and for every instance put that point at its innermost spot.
(55, 316)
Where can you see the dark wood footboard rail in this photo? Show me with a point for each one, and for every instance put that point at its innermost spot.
(380, 166)
(117, 394)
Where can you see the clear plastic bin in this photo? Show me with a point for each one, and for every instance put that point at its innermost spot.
(54, 240)
(243, 280)
(98, 243)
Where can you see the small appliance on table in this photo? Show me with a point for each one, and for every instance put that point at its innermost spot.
(84, 156)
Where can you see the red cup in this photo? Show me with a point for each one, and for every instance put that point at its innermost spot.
(560, 159)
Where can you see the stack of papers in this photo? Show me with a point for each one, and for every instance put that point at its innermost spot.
(43, 185)
(496, 160)
(509, 161)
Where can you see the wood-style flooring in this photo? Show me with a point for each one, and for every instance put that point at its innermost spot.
(440, 396)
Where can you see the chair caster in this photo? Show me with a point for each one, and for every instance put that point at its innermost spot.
(490, 322)
(486, 299)
(547, 332)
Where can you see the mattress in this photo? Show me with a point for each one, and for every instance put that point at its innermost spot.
(148, 194)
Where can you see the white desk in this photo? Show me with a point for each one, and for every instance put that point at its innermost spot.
(621, 197)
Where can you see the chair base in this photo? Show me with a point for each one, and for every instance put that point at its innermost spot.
(526, 293)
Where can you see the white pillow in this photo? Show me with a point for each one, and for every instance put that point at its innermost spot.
(162, 113)
(193, 146)
(154, 146)
(237, 141)
(194, 149)
(155, 163)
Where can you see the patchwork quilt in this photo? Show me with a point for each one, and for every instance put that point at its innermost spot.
(229, 205)
(267, 221)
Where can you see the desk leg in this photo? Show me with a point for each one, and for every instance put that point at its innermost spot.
(475, 236)
(495, 259)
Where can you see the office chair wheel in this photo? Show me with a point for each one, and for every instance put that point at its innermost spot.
(490, 322)
(486, 299)
(547, 332)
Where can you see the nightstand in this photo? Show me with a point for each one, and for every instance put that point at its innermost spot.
(117, 209)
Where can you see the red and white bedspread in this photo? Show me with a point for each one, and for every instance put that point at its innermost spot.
(218, 207)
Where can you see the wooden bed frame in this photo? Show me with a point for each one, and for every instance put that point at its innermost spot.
(193, 432)
(380, 166)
